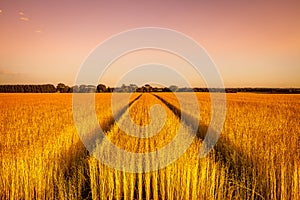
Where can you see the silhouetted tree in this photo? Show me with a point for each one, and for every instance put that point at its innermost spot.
(62, 88)
(101, 88)
(48, 88)
(110, 89)
(166, 89)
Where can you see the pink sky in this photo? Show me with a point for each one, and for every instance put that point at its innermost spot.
(254, 44)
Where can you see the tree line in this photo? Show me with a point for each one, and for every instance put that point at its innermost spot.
(101, 88)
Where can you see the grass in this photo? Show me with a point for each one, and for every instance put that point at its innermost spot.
(256, 157)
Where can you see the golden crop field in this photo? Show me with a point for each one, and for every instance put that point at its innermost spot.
(256, 157)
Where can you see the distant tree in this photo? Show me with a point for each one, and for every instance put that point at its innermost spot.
(70, 89)
(185, 89)
(75, 88)
(87, 88)
(101, 88)
(82, 88)
(109, 89)
(61, 88)
(133, 87)
(91, 89)
(21, 88)
(48, 88)
(166, 89)
(124, 88)
(147, 88)
(27, 88)
(173, 88)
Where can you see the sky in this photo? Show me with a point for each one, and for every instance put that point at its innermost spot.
(253, 43)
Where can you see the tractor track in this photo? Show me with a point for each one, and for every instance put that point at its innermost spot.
(222, 154)
(108, 126)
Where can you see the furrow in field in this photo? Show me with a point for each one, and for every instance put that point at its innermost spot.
(105, 119)
(139, 116)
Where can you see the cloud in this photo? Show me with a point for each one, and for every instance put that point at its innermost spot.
(5, 72)
(24, 18)
(10, 77)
